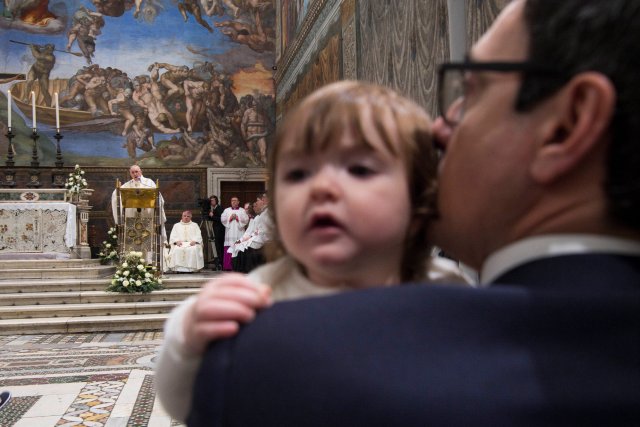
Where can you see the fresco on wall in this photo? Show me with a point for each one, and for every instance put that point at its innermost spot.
(292, 13)
(324, 70)
(165, 83)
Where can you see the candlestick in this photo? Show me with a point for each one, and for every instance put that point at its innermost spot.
(9, 172)
(55, 95)
(59, 162)
(33, 109)
(9, 109)
(34, 173)
(10, 150)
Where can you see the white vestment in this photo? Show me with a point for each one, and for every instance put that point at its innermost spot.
(185, 257)
(131, 212)
(234, 228)
(256, 235)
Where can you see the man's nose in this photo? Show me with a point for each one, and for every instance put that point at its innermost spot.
(441, 134)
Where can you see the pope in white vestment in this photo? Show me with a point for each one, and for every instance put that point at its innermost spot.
(186, 246)
(139, 181)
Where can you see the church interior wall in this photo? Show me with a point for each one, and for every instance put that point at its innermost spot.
(275, 53)
(163, 84)
(397, 44)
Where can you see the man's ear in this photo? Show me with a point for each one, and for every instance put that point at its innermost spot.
(577, 123)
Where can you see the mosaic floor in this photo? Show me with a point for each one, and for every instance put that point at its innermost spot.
(93, 380)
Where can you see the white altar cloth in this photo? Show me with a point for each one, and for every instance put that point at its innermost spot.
(37, 226)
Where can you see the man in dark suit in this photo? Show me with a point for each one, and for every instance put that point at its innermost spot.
(540, 191)
(211, 214)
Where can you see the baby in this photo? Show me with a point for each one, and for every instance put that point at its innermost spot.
(352, 190)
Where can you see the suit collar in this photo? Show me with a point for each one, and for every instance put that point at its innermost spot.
(593, 273)
(541, 247)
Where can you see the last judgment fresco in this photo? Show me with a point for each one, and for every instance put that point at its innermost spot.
(159, 82)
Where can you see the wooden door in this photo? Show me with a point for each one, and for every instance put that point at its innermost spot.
(246, 191)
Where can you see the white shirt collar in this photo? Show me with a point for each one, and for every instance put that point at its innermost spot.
(533, 248)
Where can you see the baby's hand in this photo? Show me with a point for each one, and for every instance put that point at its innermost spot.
(220, 308)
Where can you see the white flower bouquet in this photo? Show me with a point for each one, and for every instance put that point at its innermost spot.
(135, 275)
(76, 181)
(109, 249)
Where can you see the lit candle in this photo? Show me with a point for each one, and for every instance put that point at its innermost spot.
(55, 95)
(33, 110)
(9, 109)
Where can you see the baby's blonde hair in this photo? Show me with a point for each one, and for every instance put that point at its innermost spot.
(368, 112)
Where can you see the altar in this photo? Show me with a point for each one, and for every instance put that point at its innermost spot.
(41, 227)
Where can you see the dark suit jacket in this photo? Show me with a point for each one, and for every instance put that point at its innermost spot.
(557, 346)
(218, 227)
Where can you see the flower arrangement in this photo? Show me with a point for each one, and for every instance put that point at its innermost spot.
(109, 249)
(76, 181)
(134, 274)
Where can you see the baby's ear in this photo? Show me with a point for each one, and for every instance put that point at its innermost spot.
(577, 124)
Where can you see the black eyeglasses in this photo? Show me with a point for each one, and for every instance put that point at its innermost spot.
(452, 88)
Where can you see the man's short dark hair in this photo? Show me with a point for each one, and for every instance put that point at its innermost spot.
(594, 35)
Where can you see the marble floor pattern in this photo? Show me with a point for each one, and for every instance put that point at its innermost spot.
(93, 380)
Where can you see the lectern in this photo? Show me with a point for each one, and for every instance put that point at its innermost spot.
(138, 217)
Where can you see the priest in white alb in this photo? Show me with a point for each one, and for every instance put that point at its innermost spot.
(185, 240)
(235, 220)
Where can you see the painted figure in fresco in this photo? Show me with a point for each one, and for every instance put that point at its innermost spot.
(75, 93)
(136, 12)
(140, 137)
(193, 7)
(222, 143)
(214, 7)
(203, 70)
(228, 102)
(33, 12)
(216, 96)
(149, 97)
(172, 150)
(250, 6)
(122, 105)
(253, 36)
(94, 89)
(194, 93)
(87, 25)
(254, 130)
(116, 81)
(179, 151)
(172, 79)
(113, 8)
(40, 70)
(191, 145)
(149, 11)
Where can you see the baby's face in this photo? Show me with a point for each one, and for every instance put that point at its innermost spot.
(343, 212)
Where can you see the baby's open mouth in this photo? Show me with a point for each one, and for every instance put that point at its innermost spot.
(324, 221)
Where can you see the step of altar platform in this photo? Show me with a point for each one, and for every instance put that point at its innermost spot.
(75, 324)
(54, 269)
(68, 296)
(84, 310)
(92, 297)
(82, 285)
